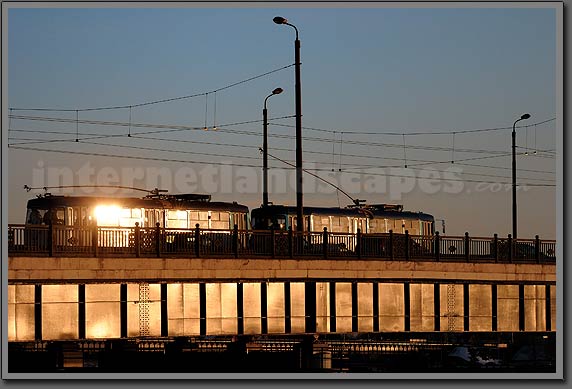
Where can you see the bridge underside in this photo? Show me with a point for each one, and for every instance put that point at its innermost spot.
(366, 352)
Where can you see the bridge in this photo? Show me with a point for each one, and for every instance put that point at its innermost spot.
(316, 300)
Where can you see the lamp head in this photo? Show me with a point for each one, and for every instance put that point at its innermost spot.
(280, 20)
(525, 116)
(277, 91)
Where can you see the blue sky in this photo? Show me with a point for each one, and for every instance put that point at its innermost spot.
(375, 70)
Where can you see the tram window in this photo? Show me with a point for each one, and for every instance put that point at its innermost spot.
(176, 218)
(281, 222)
(176, 215)
(54, 215)
(203, 215)
(344, 224)
(76, 216)
(35, 216)
(136, 213)
(373, 225)
(130, 216)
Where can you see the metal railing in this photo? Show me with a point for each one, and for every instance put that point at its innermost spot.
(57, 240)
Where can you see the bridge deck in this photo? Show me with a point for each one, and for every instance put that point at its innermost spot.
(74, 269)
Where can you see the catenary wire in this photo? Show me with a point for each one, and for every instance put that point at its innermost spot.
(156, 101)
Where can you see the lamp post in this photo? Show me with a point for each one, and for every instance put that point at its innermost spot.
(523, 117)
(299, 192)
(276, 91)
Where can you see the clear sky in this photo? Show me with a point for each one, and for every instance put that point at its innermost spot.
(381, 88)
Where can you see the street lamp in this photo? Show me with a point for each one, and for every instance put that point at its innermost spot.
(299, 196)
(276, 91)
(523, 117)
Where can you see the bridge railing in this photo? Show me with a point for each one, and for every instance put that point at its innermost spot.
(58, 240)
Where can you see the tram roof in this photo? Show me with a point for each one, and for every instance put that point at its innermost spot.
(349, 211)
(163, 202)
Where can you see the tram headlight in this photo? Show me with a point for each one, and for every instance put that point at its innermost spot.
(107, 215)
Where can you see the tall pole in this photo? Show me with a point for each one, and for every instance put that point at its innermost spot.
(276, 91)
(265, 157)
(514, 180)
(299, 191)
(523, 117)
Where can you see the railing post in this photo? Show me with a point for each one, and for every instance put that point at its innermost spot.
(94, 239)
(158, 239)
(290, 242)
(437, 246)
(510, 251)
(467, 247)
(235, 240)
(537, 248)
(496, 247)
(197, 240)
(325, 243)
(51, 239)
(137, 240)
(273, 242)
(391, 245)
(407, 253)
(358, 243)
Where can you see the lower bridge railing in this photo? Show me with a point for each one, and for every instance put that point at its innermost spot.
(56, 240)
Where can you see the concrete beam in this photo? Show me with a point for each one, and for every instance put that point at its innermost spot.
(62, 270)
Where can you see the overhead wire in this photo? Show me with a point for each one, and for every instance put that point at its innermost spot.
(413, 132)
(155, 101)
(226, 129)
(273, 123)
(243, 165)
(422, 162)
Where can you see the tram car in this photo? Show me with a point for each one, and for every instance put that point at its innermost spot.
(376, 221)
(377, 218)
(74, 216)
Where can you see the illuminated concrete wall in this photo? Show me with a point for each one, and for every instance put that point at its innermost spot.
(480, 308)
(535, 308)
(391, 307)
(343, 307)
(97, 311)
(60, 312)
(297, 307)
(183, 309)
(552, 313)
(251, 304)
(275, 307)
(221, 308)
(102, 311)
(365, 306)
(21, 321)
(508, 309)
(422, 315)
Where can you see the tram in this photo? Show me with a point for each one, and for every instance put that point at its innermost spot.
(73, 219)
(376, 218)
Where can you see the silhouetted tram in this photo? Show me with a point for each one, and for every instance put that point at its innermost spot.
(73, 218)
(377, 218)
(170, 211)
